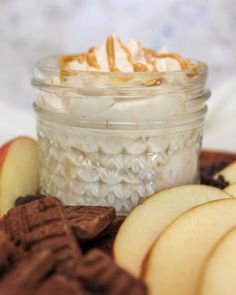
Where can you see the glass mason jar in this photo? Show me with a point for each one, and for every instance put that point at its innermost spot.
(113, 139)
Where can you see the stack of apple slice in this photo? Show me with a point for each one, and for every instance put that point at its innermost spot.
(168, 240)
(147, 221)
(176, 260)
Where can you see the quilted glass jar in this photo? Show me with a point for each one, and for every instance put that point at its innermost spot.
(116, 138)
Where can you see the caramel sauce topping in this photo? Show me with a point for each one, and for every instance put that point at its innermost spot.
(184, 63)
(149, 54)
(127, 51)
(89, 56)
(63, 60)
(111, 54)
(92, 59)
(155, 82)
(138, 67)
(81, 57)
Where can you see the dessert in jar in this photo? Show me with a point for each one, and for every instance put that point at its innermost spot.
(119, 122)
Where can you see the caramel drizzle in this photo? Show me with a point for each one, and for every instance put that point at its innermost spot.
(111, 54)
(137, 67)
(155, 82)
(89, 56)
(81, 58)
(184, 63)
(92, 59)
(148, 54)
(127, 51)
(63, 60)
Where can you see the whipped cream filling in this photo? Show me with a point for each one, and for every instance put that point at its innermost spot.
(115, 56)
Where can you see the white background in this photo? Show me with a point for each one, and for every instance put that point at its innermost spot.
(202, 29)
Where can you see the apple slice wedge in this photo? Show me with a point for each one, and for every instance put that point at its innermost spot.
(219, 271)
(229, 173)
(19, 170)
(231, 189)
(146, 222)
(175, 261)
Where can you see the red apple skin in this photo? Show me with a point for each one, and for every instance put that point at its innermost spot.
(3, 151)
(5, 147)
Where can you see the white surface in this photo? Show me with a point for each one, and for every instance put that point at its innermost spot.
(15, 121)
(220, 131)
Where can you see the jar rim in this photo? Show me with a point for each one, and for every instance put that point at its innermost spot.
(49, 77)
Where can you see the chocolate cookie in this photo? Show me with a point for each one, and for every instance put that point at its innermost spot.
(61, 285)
(27, 199)
(9, 254)
(42, 224)
(99, 274)
(89, 221)
(27, 276)
(104, 241)
(113, 228)
(207, 176)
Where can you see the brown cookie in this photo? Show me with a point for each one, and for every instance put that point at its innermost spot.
(27, 276)
(104, 241)
(113, 228)
(42, 224)
(27, 199)
(99, 274)
(18, 222)
(9, 254)
(89, 221)
(207, 175)
(61, 285)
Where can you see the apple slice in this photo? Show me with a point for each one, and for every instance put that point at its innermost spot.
(229, 173)
(176, 258)
(231, 189)
(145, 223)
(219, 272)
(18, 170)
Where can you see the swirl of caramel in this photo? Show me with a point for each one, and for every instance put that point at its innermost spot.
(141, 60)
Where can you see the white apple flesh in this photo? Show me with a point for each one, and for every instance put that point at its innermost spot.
(218, 275)
(231, 189)
(146, 222)
(177, 257)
